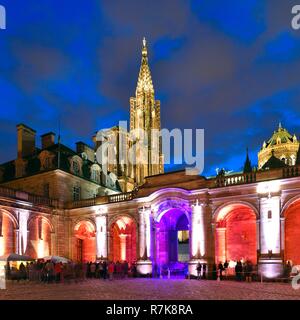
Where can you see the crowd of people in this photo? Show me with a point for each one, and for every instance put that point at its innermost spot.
(49, 271)
(242, 271)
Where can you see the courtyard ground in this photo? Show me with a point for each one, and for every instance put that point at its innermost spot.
(152, 289)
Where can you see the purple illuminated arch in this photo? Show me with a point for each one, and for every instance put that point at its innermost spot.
(171, 216)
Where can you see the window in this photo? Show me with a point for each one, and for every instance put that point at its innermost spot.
(95, 175)
(46, 190)
(76, 193)
(48, 163)
(269, 214)
(76, 168)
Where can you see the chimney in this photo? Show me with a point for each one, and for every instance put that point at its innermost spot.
(26, 140)
(48, 139)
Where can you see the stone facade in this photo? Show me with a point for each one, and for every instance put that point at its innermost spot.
(228, 219)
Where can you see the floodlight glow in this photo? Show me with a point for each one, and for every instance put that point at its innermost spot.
(2, 245)
(268, 187)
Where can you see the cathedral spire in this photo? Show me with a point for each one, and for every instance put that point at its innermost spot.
(247, 164)
(144, 84)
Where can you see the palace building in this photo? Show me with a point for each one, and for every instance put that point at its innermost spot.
(59, 201)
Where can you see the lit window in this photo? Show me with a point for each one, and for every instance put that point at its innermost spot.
(269, 214)
(95, 175)
(76, 193)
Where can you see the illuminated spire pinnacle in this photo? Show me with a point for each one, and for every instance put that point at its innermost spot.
(144, 84)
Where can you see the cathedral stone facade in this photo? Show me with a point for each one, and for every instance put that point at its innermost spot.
(54, 200)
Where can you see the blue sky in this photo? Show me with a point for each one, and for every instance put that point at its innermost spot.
(231, 67)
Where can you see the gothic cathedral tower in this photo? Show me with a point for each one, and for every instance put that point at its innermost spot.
(145, 115)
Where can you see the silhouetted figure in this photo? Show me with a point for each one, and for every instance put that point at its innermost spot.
(287, 271)
(248, 271)
(220, 269)
(238, 270)
(226, 265)
(199, 268)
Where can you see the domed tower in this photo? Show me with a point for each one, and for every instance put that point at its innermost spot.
(281, 145)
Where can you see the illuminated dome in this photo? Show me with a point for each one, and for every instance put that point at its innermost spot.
(281, 145)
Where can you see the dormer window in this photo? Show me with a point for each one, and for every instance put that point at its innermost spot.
(95, 173)
(76, 169)
(48, 163)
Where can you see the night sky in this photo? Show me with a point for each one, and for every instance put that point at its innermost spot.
(231, 67)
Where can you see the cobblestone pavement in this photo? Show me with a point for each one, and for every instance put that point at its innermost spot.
(156, 289)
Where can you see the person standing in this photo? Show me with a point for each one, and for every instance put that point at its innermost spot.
(93, 270)
(199, 267)
(226, 264)
(220, 270)
(248, 271)
(104, 270)
(57, 272)
(125, 269)
(111, 269)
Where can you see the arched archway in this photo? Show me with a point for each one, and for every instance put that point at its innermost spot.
(172, 239)
(235, 237)
(85, 241)
(39, 237)
(123, 240)
(7, 234)
(292, 232)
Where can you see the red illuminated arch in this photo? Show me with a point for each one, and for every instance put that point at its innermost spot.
(236, 232)
(292, 231)
(8, 226)
(85, 241)
(123, 239)
(39, 237)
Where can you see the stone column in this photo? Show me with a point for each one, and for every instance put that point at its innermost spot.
(270, 261)
(221, 241)
(23, 231)
(53, 245)
(144, 264)
(258, 235)
(101, 236)
(1, 215)
(123, 246)
(282, 236)
(17, 241)
(199, 249)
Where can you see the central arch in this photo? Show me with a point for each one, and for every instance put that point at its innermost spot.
(172, 235)
(235, 237)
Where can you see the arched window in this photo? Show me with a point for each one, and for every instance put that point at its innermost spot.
(76, 169)
(48, 163)
(95, 175)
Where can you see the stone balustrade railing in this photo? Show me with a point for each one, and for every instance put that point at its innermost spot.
(28, 197)
(224, 181)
